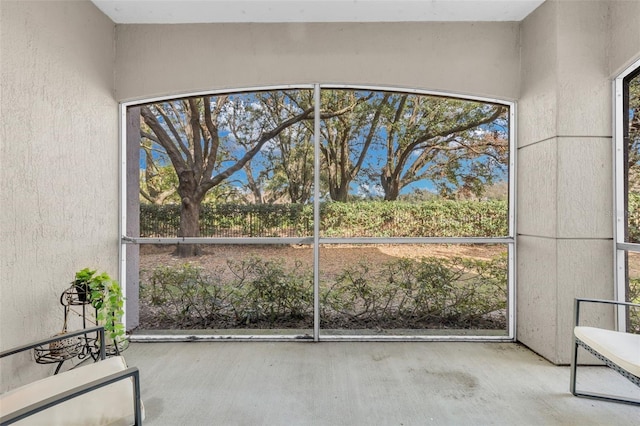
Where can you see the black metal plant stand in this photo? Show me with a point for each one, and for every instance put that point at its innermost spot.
(81, 347)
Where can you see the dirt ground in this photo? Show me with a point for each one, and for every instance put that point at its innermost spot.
(333, 258)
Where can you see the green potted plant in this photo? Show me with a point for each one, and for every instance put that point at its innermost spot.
(81, 283)
(105, 295)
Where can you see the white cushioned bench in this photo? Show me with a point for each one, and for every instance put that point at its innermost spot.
(105, 392)
(618, 350)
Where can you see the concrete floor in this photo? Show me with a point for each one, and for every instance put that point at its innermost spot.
(354, 383)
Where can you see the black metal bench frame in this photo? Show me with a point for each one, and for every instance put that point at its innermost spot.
(79, 390)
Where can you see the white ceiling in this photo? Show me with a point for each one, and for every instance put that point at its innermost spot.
(210, 11)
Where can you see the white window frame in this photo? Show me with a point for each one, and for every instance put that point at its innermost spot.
(621, 246)
(509, 240)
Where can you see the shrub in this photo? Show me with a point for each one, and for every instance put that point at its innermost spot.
(266, 291)
(404, 293)
(442, 218)
(420, 293)
(185, 295)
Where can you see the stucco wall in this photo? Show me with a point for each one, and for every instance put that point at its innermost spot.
(59, 172)
(472, 58)
(565, 179)
(624, 36)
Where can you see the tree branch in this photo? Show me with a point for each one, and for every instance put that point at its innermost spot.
(178, 140)
(163, 139)
(264, 138)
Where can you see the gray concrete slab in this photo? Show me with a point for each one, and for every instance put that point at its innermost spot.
(360, 383)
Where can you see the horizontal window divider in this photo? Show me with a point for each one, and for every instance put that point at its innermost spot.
(333, 240)
(418, 240)
(210, 337)
(210, 240)
(165, 338)
(415, 338)
(628, 246)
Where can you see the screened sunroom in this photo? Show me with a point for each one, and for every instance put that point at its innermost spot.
(336, 175)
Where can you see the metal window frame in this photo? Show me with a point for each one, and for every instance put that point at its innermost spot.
(621, 247)
(316, 240)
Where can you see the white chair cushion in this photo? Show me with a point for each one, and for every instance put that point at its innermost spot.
(109, 405)
(622, 349)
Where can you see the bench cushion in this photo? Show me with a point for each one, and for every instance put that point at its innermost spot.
(110, 405)
(623, 349)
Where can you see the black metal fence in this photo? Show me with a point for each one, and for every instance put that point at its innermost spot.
(357, 219)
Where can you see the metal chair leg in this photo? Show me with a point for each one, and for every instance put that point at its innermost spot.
(574, 365)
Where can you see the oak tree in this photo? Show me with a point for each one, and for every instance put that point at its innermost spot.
(194, 133)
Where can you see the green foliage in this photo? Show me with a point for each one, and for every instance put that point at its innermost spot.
(633, 218)
(634, 297)
(633, 137)
(445, 218)
(404, 293)
(452, 292)
(267, 291)
(185, 295)
(84, 275)
(158, 184)
(634, 290)
(261, 292)
(105, 295)
(159, 221)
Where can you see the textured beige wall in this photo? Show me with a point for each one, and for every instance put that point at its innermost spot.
(538, 38)
(624, 37)
(473, 58)
(59, 171)
(565, 165)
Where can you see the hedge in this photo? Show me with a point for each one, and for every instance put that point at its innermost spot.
(442, 218)
(419, 293)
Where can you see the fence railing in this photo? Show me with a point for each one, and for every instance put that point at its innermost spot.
(357, 219)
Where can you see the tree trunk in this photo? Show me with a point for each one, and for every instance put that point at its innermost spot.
(253, 186)
(338, 191)
(189, 227)
(392, 193)
(189, 215)
(390, 185)
(341, 193)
